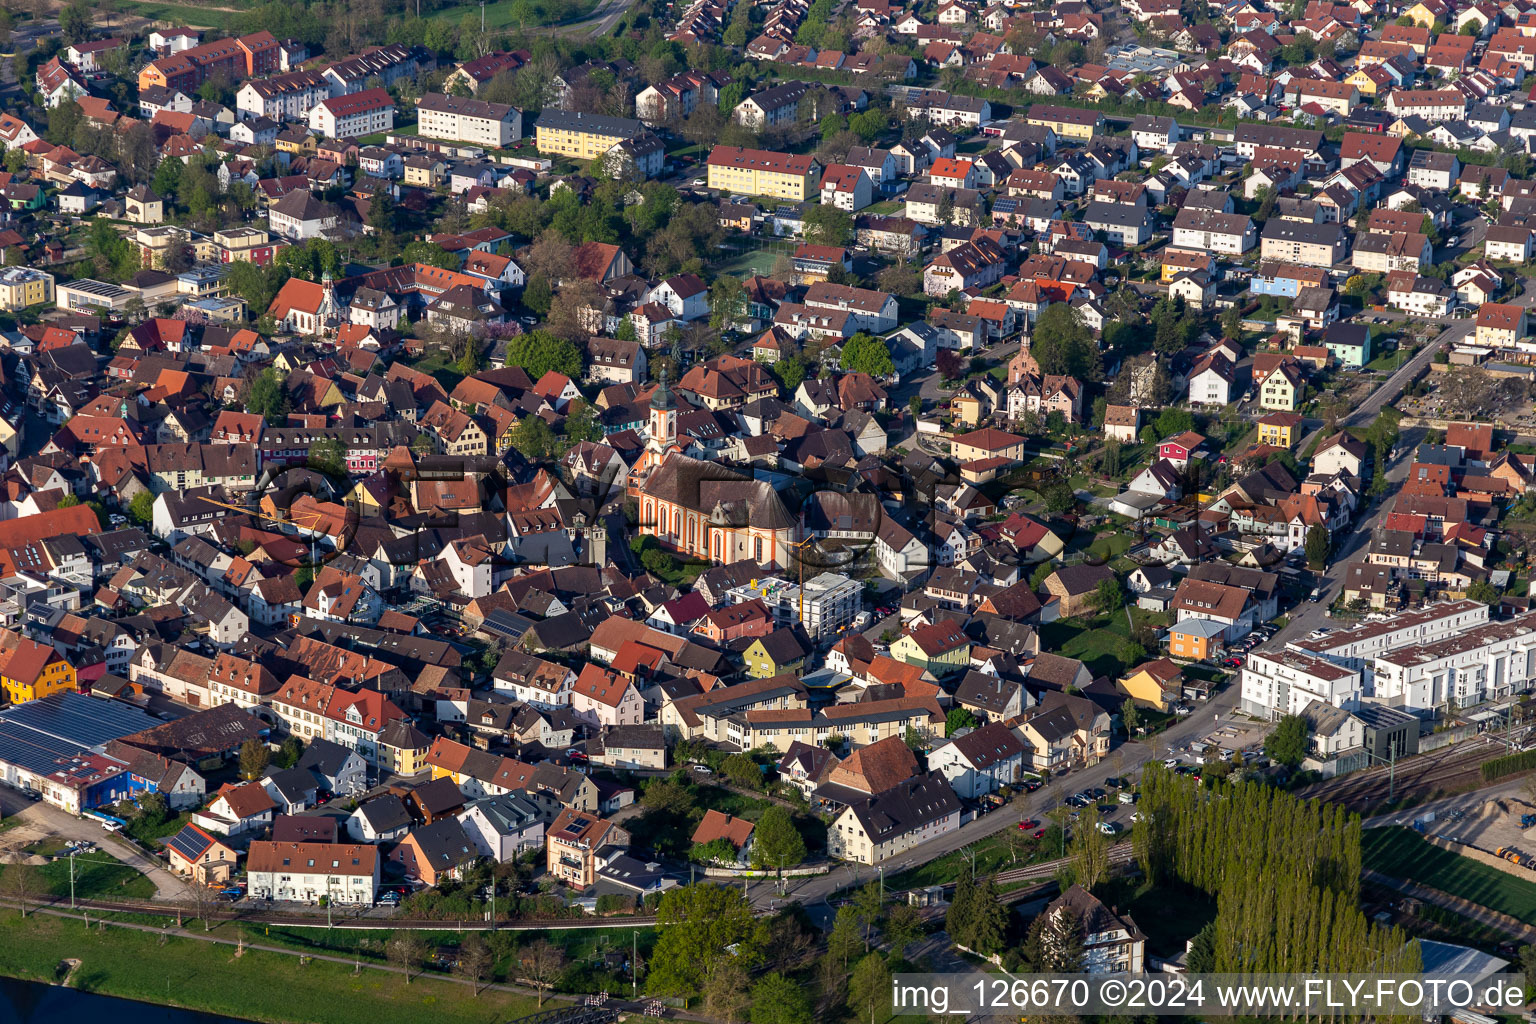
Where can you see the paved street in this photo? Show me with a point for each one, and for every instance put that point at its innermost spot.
(1126, 759)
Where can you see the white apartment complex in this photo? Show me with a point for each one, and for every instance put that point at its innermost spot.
(825, 606)
(353, 115)
(305, 872)
(1491, 661)
(461, 119)
(1277, 683)
(1359, 648)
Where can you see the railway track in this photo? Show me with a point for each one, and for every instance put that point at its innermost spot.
(348, 920)
(1421, 778)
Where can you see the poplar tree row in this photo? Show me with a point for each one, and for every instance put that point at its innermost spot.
(1285, 873)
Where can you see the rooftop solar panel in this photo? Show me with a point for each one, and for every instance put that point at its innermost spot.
(87, 722)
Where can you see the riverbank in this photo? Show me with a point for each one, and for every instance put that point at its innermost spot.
(185, 971)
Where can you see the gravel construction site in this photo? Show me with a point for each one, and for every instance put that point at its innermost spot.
(1504, 827)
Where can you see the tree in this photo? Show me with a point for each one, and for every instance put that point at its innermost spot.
(1109, 595)
(22, 882)
(1059, 497)
(537, 294)
(960, 918)
(777, 843)
(289, 753)
(475, 961)
(268, 396)
(778, 1000)
(727, 303)
(430, 253)
(949, 364)
(904, 926)
(142, 508)
(538, 352)
(827, 225)
(407, 951)
(1317, 545)
(899, 279)
(869, 989)
(542, 964)
(1202, 950)
(1054, 944)
(726, 993)
(957, 719)
(254, 758)
(864, 353)
(1063, 344)
(1130, 716)
(1287, 744)
(328, 456)
(697, 923)
(1089, 849)
(533, 438)
(1482, 590)
(867, 904)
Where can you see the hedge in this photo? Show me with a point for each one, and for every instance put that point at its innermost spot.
(1511, 765)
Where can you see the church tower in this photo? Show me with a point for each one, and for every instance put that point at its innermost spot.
(663, 417)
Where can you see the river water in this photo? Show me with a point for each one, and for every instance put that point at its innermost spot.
(28, 1002)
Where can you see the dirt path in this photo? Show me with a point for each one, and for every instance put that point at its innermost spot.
(1455, 904)
(40, 821)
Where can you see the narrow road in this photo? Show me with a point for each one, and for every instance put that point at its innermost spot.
(1126, 759)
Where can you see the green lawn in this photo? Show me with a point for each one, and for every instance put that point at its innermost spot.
(1402, 853)
(96, 874)
(1095, 642)
(183, 14)
(756, 261)
(256, 986)
(519, 13)
(439, 366)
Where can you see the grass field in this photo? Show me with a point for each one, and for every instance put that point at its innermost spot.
(184, 14)
(520, 13)
(991, 855)
(1094, 642)
(1401, 853)
(96, 874)
(255, 986)
(758, 261)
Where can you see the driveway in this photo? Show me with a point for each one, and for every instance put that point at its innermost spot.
(44, 821)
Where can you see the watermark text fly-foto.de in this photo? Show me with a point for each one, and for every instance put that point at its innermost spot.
(1415, 995)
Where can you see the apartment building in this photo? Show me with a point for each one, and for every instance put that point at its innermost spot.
(883, 826)
(759, 172)
(1500, 324)
(309, 872)
(21, 287)
(825, 606)
(1358, 648)
(580, 135)
(460, 119)
(1213, 231)
(1382, 252)
(353, 115)
(1277, 683)
(288, 97)
(1494, 660)
(1311, 245)
(1066, 122)
(577, 843)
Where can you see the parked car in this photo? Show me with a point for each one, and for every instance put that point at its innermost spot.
(1039, 833)
(1027, 824)
(703, 769)
(1109, 828)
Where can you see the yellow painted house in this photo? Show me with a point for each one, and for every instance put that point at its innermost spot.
(21, 287)
(1426, 12)
(1153, 683)
(1067, 122)
(761, 172)
(30, 670)
(403, 748)
(1280, 429)
(774, 654)
(580, 135)
(940, 649)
